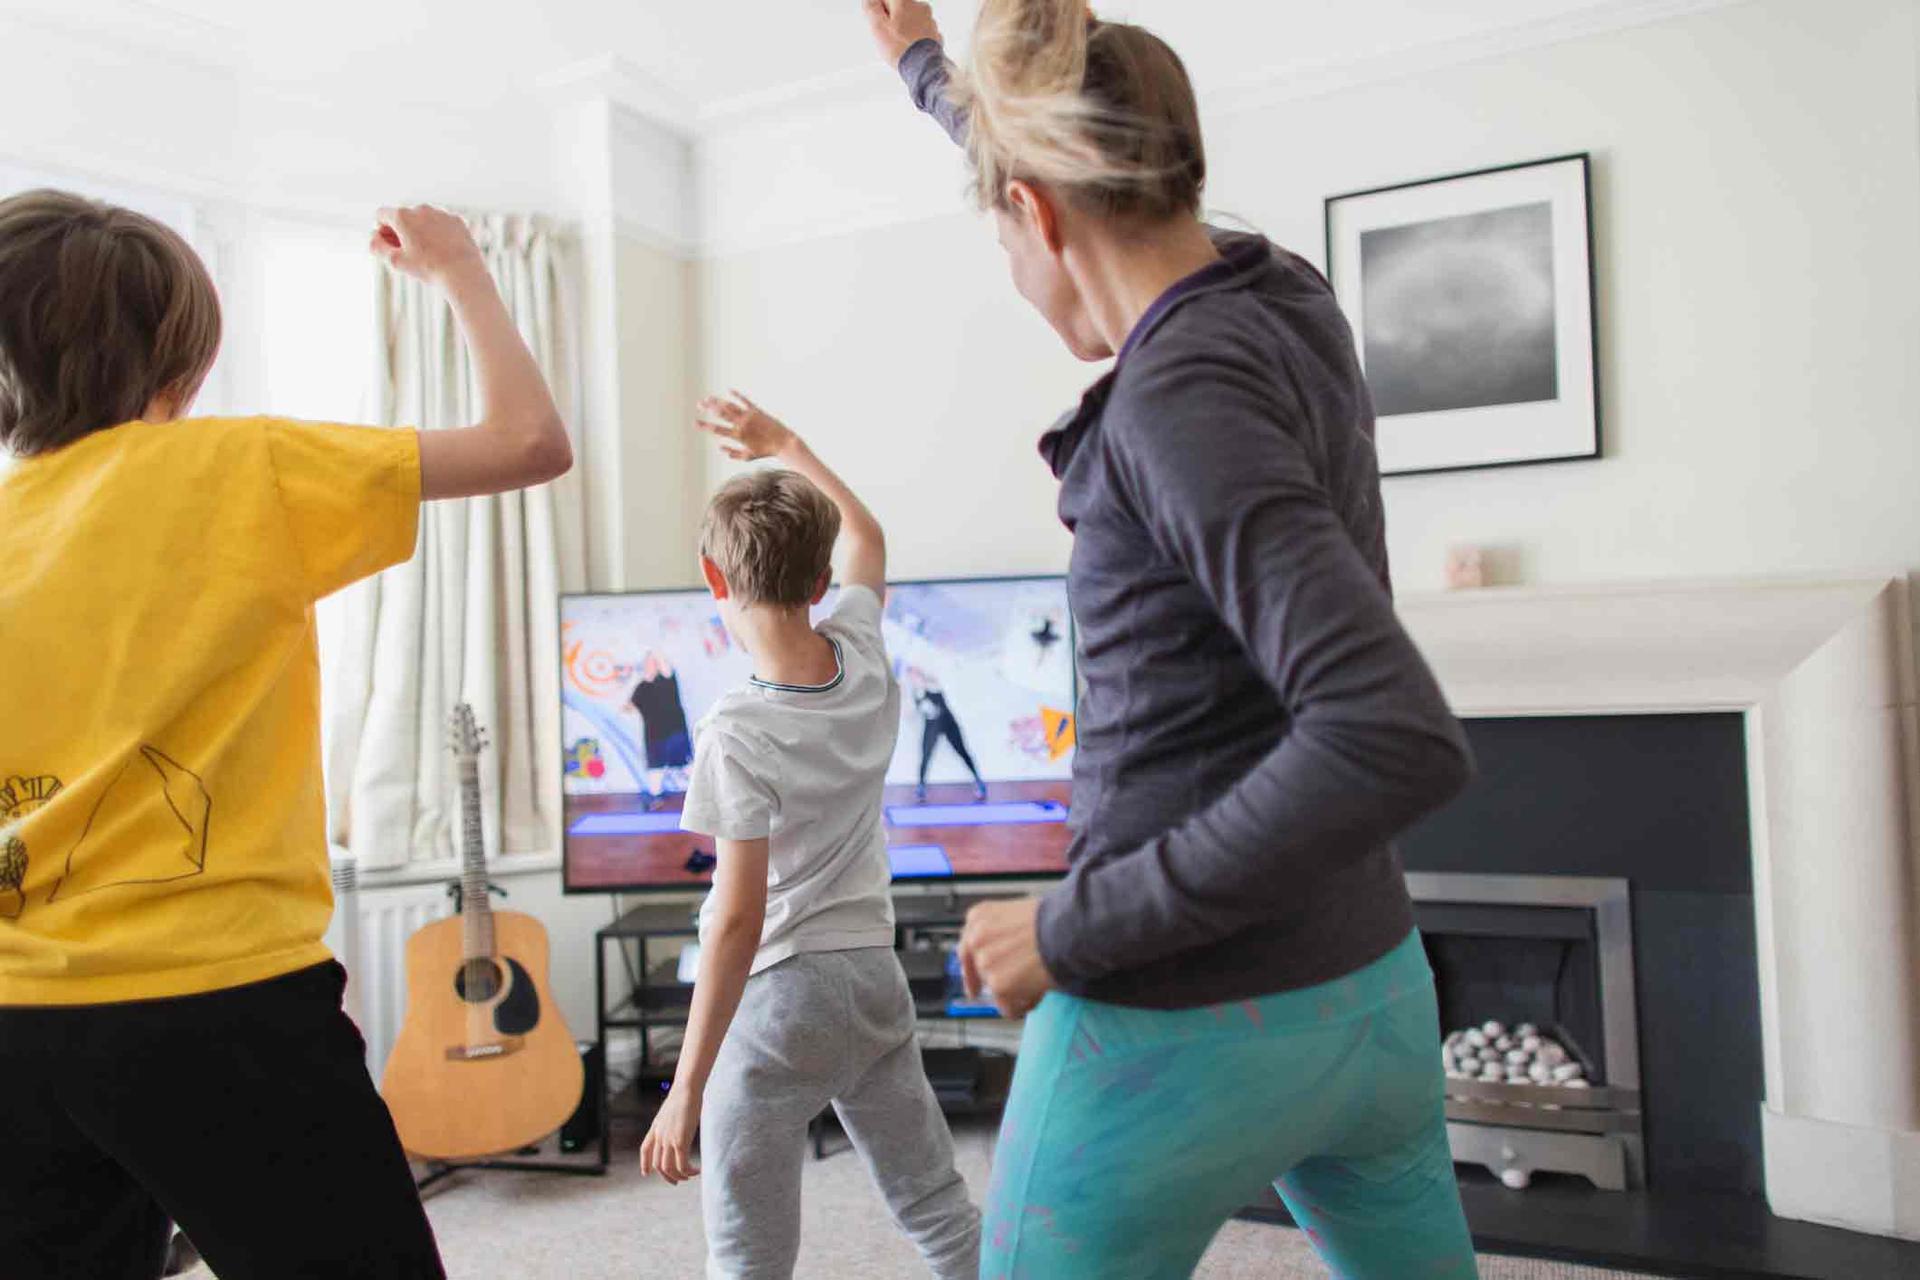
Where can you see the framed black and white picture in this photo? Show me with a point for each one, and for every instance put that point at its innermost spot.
(1471, 299)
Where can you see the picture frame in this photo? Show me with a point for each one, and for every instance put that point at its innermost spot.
(1473, 304)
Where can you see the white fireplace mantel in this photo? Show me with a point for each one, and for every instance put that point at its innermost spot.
(1825, 674)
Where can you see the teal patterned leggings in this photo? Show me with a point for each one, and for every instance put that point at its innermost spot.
(1132, 1135)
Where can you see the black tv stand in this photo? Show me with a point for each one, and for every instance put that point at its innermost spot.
(659, 1000)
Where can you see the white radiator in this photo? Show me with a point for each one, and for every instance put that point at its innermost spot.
(369, 935)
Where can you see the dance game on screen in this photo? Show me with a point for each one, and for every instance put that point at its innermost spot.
(980, 781)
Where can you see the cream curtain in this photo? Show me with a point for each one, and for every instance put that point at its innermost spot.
(474, 616)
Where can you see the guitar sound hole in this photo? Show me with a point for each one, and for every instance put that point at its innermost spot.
(478, 981)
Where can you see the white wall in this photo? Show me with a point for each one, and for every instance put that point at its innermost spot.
(1758, 193)
(1757, 197)
(663, 474)
(898, 353)
(76, 102)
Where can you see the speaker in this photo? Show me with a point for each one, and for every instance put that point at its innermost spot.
(582, 1129)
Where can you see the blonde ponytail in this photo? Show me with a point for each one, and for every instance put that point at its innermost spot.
(1103, 111)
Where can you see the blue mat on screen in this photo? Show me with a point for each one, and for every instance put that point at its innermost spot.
(1018, 813)
(626, 824)
(919, 862)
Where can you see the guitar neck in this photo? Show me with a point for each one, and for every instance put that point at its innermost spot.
(476, 913)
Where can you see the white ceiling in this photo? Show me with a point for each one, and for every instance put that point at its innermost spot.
(708, 53)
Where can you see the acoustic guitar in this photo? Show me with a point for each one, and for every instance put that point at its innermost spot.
(484, 1063)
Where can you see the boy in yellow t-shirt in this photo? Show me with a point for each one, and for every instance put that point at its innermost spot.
(172, 1046)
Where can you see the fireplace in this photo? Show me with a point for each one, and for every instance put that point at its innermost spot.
(1537, 972)
(1812, 909)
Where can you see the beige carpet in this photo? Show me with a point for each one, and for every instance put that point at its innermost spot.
(517, 1226)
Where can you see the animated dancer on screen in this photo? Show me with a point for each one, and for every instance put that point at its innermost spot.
(931, 699)
(663, 721)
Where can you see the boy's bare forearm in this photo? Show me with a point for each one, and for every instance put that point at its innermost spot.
(520, 439)
(726, 959)
(515, 400)
(748, 433)
(862, 539)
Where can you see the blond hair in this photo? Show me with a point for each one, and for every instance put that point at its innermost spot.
(771, 533)
(102, 310)
(1103, 111)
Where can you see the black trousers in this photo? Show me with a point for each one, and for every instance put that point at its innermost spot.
(946, 727)
(246, 1116)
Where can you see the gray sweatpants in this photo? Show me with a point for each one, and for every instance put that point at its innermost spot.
(827, 1027)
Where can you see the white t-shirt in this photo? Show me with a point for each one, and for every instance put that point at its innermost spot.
(805, 768)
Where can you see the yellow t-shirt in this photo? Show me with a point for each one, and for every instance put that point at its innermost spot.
(162, 826)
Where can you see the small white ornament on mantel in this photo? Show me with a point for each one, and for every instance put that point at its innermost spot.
(1466, 568)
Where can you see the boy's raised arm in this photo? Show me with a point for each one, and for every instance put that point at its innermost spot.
(520, 439)
(748, 433)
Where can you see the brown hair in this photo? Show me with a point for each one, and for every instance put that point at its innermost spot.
(772, 534)
(101, 310)
(1102, 110)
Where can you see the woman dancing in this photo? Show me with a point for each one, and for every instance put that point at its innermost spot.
(1234, 993)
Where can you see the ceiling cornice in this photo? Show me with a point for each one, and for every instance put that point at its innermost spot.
(617, 80)
(132, 27)
(1257, 91)
(144, 27)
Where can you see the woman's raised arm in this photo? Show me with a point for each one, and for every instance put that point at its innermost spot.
(898, 25)
(909, 41)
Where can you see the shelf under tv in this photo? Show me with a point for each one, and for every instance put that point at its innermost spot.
(661, 1002)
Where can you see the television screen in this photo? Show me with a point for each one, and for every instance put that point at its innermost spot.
(980, 781)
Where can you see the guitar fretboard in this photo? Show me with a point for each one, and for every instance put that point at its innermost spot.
(477, 916)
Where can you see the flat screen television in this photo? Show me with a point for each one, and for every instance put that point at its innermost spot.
(979, 787)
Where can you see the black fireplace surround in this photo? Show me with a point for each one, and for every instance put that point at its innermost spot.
(1660, 801)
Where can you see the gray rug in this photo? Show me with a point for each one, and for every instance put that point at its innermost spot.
(516, 1226)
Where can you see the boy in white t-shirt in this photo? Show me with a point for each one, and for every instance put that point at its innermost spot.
(800, 1001)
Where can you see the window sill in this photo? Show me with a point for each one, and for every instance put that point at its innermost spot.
(439, 872)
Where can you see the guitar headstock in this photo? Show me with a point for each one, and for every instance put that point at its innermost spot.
(465, 738)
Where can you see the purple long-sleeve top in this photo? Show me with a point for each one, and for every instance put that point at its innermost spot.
(1255, 725)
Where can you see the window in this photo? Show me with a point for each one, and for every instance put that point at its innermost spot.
(312, 324)
(301, 336)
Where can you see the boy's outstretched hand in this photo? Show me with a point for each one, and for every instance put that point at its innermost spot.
(668, 1149)
(426, 243)
(898, 25)
(747, 433)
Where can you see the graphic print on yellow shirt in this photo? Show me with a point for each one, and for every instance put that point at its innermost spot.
(149, 827)
(18, 798)
(162, 827)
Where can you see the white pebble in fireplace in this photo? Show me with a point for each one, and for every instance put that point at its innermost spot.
(1493, 1054)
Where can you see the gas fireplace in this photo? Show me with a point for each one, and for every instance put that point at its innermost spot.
(1535, 977)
